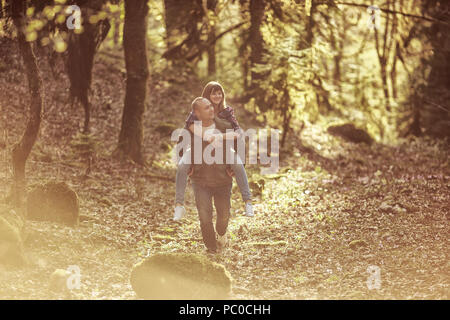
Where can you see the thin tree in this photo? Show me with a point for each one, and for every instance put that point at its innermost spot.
(23, 148)
(211, 6)
(134, 41)
(383, 48)
(256, 40)
(183, 35)
(80, 59)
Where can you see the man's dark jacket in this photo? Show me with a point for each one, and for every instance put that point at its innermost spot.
(211, 175)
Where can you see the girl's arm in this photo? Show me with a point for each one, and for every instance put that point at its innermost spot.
(228, 114)
(190, 120)
(190, 123)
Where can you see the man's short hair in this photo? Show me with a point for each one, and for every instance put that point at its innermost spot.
(195, 103)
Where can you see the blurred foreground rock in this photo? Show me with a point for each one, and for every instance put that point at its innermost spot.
(11, 245)
(58, 280)
(180, 276)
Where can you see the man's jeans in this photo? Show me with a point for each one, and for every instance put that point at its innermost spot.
(183, 170)
(203, 200)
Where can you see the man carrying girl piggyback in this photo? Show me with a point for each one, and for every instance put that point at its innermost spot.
(214, 92)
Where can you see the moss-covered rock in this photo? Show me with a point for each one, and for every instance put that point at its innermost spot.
(53, 201)
(180, 276)
(11, 245)
(350, 133)
(439, 129)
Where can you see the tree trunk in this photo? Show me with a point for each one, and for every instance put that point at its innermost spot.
(310, 25)
(383, 69)
(80, 59)
(171, 19)
(182, 35)
(394, 71)
(211, 7)
(415, 126)
(243, 48)
(116, 30)
(256, 51)
(383, 50)
(212, 52)
(256, 39)
(22, 149)
(435, 110)
(134, 40)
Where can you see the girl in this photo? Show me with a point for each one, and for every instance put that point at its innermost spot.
(214, 92)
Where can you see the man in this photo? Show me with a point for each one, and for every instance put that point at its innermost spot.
(211, 180)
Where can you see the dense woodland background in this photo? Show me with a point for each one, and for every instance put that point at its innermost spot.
(360, 95)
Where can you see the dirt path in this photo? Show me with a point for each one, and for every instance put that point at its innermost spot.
(314, 235)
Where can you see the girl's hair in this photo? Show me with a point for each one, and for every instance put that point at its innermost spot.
(213, 86)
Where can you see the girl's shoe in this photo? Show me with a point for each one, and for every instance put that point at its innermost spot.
(249, 210)
(179, 213)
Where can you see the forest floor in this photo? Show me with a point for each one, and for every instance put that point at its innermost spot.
(334, 210)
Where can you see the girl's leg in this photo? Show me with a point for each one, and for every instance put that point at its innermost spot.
(241, 178)
(181, 177)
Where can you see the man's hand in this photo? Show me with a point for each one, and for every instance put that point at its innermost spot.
(230, 172)
(211, 138)
(191, 171)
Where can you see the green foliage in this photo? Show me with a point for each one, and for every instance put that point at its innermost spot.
(320, 59)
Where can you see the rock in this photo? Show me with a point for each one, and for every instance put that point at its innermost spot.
(398, 209)
(439, 129)
(350, 133)
(385, 207)
(58, 280)
(54, 201)
(11, 243)
(180, 276)
(357, 243)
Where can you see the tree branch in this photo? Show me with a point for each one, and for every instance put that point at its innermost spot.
(387, 11)
(214, 40)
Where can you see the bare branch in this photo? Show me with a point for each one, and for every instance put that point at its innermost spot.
(388, 11)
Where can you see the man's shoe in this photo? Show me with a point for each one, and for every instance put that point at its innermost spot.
(249, 210)
(179, 213)
(222, 241)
